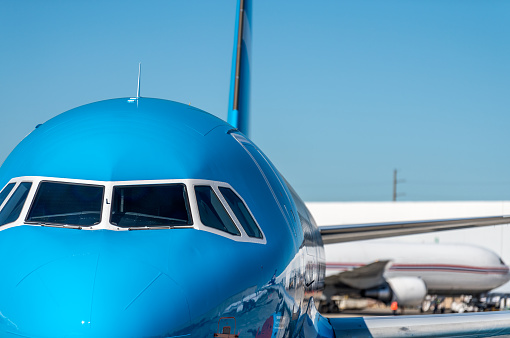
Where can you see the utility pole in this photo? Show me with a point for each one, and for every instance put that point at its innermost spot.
(394, 185)
(395, 182)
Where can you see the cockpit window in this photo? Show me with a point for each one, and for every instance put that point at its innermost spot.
(152, 205)
(67, 203)
(5, 192)
(241, 211)
(10, 212)
(212, 212)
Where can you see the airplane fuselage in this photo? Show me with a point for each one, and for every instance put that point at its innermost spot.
(123, 265)
(446, 269)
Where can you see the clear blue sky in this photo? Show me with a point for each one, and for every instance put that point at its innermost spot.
(343, 91)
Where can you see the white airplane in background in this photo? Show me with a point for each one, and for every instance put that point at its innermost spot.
(407, 272)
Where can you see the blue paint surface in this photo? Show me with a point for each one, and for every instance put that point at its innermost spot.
(109, 283)
(121, 140)
(105, 283)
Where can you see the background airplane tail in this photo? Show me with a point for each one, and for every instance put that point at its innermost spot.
(239, 100)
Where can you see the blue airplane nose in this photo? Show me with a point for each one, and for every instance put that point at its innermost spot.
(90, 292)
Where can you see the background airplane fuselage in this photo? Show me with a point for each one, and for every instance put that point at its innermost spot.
(446, 269)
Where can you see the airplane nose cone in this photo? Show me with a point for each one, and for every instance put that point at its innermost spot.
(94, 295)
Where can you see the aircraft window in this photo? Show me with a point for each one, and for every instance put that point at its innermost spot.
(150, 206)
(241, 212)
(5, 192)
(212, 212)
(10, 212)
(67, 203)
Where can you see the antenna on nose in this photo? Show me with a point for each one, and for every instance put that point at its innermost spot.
(139, 75)
(133, 99)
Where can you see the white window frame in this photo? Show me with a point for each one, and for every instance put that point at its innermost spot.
(107, 205)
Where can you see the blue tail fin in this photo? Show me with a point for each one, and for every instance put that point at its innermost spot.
(239, 101)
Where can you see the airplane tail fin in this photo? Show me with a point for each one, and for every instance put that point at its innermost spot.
(239, 101)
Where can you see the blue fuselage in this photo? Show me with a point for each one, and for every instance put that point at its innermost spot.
(105, 281)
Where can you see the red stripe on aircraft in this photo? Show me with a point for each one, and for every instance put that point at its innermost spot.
(426, 267)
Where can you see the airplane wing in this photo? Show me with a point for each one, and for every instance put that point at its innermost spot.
(488, 324)
(364, 277)
(355, 232)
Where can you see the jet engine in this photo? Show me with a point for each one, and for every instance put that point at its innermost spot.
(407, 291)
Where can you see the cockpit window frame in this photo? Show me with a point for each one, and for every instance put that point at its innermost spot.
(17, 181)
(23, 204)
(186, 202)
(245, 206)
(215, 184)
(9, 194)
(235, 231)
(106, 207)
(32, 202)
